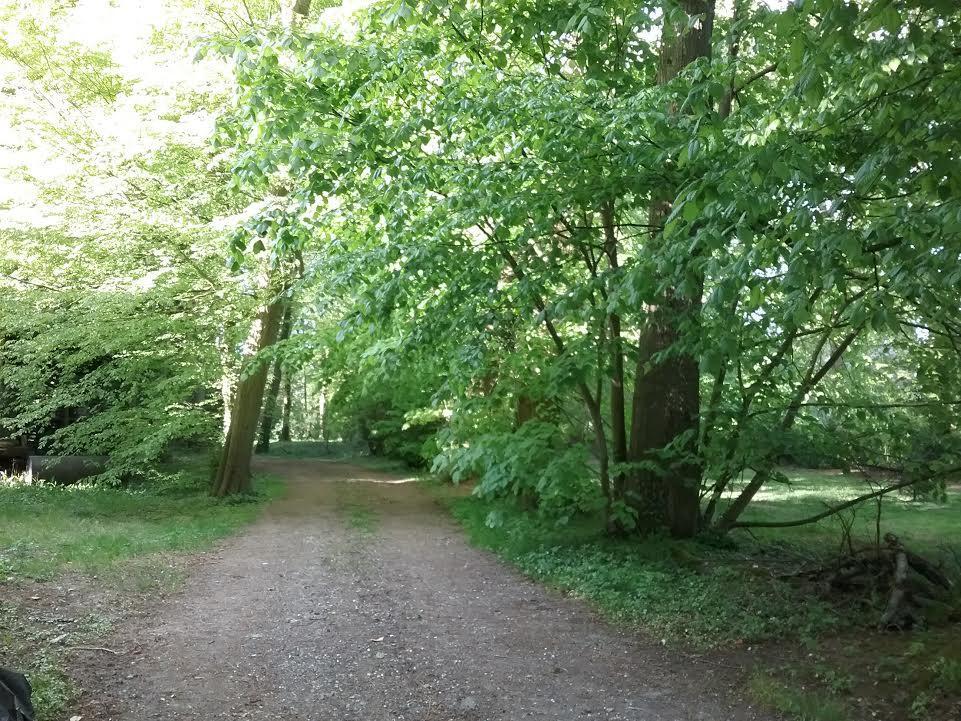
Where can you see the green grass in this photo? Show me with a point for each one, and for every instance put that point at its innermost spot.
(24, 645)
(360, 518)
(799, 704)
(123, 537)
(923, 526)
(52, 688)
(48, 530)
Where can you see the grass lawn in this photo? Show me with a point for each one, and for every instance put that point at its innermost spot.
(819, 660)
(49, 529)
(929, 528)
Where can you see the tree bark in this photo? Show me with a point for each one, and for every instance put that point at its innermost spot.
(618, 418)
(666, 403)
(269, 414)
(524, 410)
(288, 401)
(293, 10)
(233, 472)
(322, 406)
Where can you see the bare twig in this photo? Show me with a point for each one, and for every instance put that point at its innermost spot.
(95, 648)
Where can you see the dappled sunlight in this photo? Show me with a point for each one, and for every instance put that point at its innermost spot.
(382, 481)
(785, 493)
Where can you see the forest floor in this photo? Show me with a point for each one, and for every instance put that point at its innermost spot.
(356, 596)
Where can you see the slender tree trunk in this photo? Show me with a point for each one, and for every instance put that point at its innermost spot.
(618, 421)
(233, 473)
(666, 403)
(288, 401)
(269, 415)
(525, 410)
(324, 429)
(603, 471)
(306, 417)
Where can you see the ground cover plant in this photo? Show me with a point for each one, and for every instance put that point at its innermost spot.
(749, 592)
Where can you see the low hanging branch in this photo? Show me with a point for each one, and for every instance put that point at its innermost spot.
(830, 511)
(834, 510)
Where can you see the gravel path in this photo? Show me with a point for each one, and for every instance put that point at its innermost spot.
(356, 598)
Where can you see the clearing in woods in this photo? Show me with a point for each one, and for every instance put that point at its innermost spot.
(356, 597)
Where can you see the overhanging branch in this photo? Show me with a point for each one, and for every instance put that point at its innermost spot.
(834, 510)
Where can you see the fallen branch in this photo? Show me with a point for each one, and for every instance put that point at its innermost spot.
(917, 590)
(95, 648)
(928, 570)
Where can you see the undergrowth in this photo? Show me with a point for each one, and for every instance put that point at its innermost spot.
(797, 703)
(702, 594)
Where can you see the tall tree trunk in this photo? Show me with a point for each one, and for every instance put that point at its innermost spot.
(269, 414)
(618, 420)
(666, 403)
(288, 401)
(322, 407)
(525, 409)
(233, 473)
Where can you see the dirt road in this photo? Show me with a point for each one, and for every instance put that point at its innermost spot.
(356, 598)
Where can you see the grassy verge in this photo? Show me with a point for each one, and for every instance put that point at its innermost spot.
(795, 701)
(33, 641)
(860, 674)
(122, 538)
(680, 591)
(49, 530)
(826, 660)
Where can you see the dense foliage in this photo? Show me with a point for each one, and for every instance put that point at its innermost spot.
(522, 214)
(598, 256)
(119, 318)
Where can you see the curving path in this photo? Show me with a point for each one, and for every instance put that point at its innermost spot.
(357, 598)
